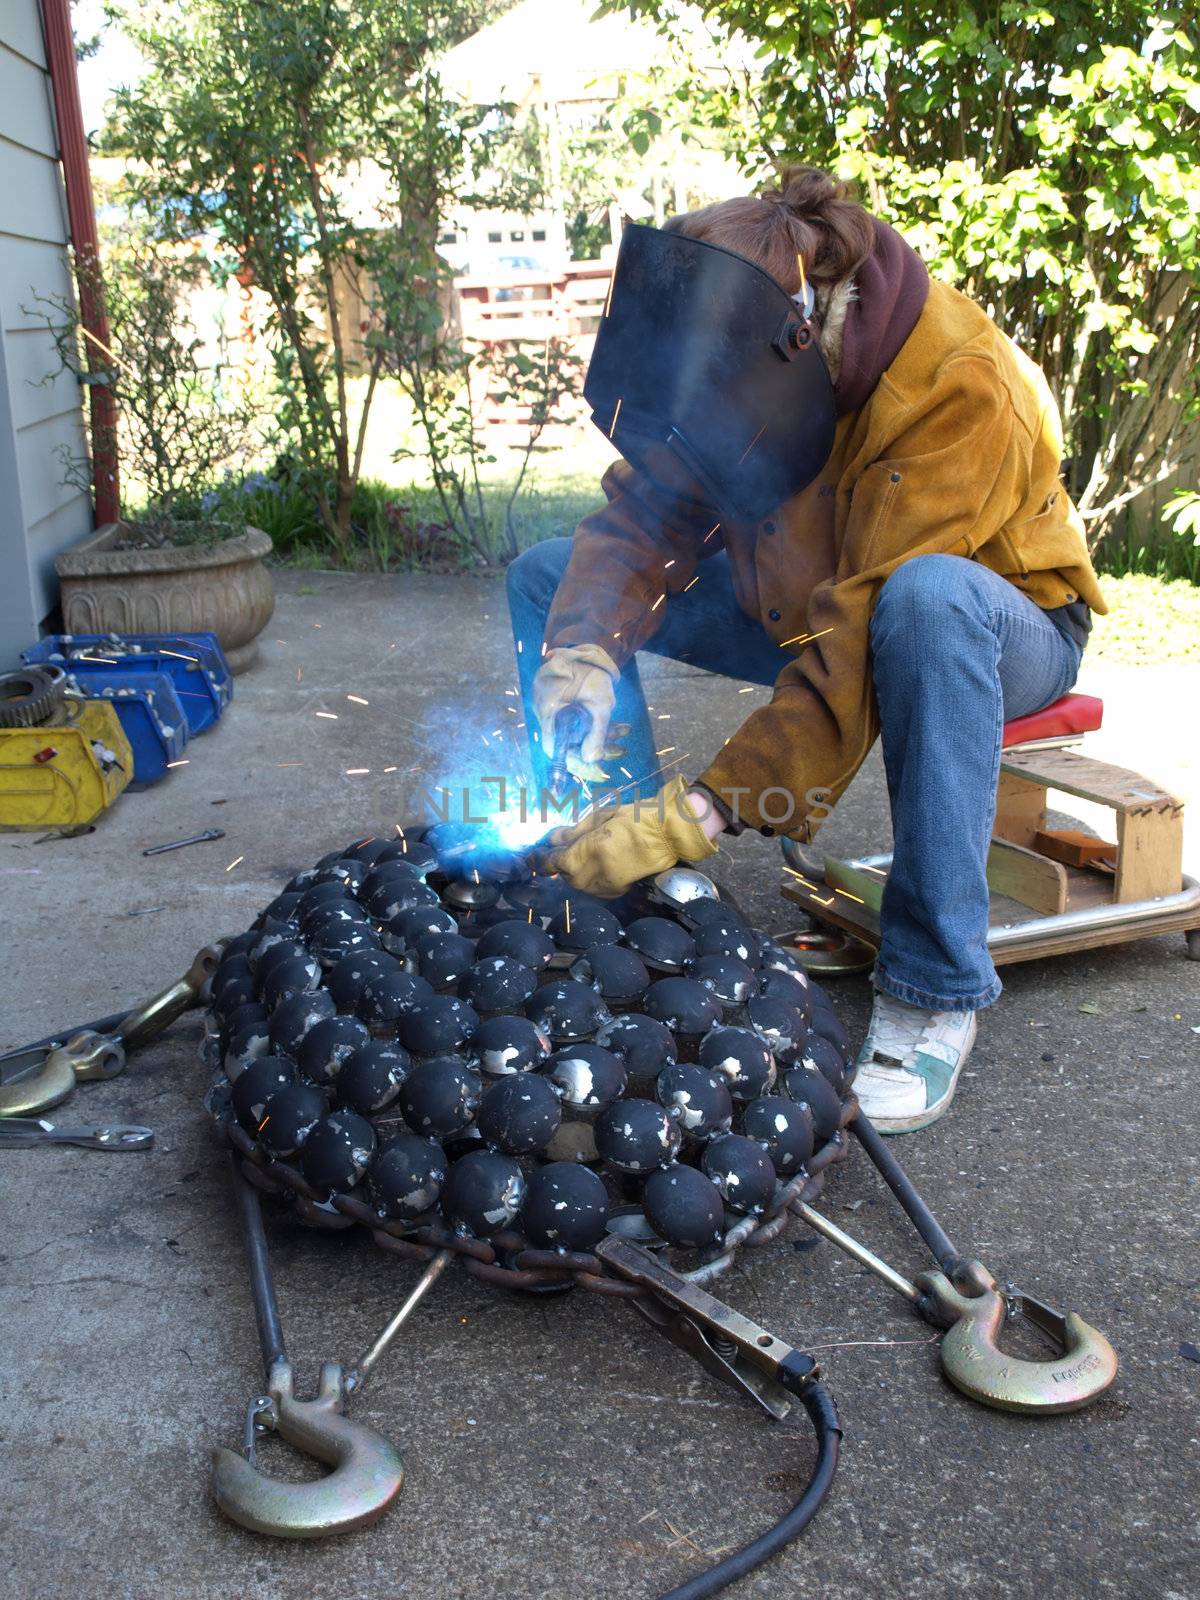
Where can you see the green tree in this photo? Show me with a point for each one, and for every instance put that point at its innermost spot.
(251, 130)
(1046, 162)
(176, 416)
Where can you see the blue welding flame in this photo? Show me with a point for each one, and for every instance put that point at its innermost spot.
(483, 779)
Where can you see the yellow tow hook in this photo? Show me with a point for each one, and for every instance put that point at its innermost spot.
(367, 1475)
(973, 1361)
(39, 1076)
(974, 1318)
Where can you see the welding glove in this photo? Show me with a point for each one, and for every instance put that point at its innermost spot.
(583, 675)
(612, 848)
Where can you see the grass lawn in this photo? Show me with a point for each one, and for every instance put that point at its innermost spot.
(1149, 620)
(399, 517)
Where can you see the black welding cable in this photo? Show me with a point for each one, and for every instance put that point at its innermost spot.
(822, 1413)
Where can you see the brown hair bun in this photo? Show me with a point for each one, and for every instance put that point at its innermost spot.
(808, 214)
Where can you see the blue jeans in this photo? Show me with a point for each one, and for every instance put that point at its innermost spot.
(956, 652)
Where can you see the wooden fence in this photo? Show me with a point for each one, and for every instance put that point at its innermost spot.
(512, 308)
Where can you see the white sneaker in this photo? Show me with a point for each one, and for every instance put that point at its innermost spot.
(909, 1065)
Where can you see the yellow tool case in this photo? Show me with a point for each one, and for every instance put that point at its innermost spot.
(63, 773)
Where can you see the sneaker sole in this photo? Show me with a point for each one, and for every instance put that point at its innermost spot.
(889, 1126)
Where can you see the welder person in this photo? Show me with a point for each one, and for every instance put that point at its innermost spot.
(843, 480)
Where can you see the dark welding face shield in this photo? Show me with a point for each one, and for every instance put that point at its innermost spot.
(705, 371)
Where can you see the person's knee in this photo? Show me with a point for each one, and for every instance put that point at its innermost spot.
(536, 572)
(923, 590)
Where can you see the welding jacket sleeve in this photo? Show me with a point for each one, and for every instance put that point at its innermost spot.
(945, 479)
(626, 558)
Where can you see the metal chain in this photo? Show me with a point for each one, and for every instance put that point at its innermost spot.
(508, 1260)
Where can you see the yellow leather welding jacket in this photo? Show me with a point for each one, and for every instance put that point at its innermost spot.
(958, 450)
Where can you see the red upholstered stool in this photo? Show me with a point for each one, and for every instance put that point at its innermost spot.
(1066, 720)
(1053, 889)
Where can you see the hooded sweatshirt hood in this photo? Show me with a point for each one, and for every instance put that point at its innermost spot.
(866, 319)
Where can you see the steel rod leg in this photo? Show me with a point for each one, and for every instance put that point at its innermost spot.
(859, 1252)
(421, 1288)
(262, 1285)
(893, 1174)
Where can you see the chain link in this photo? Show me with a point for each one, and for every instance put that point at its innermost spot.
(508, 1260)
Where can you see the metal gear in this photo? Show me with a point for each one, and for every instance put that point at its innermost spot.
(30, 698)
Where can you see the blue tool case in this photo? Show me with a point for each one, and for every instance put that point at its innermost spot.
(195, 663)
(150, 715)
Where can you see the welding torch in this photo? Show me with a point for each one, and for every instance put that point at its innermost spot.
(571, 726)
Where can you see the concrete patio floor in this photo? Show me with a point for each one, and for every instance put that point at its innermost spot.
(556, 1448)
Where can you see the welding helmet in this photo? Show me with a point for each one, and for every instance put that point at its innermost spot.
(705, 370)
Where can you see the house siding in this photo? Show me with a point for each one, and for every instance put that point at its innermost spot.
(41, 418)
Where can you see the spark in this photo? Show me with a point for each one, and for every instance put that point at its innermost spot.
(264, 1122)
(236, 863)
(658, 602)
(627, 773)
(391, 769)
(803, 275)
(545, 651)
(663, 716)
(608, 297)
(616, 635)
(182, 763)
(358, 700)
(567, 909)
(670, 563)
(694, 581)
(846, 895)
(357, 772)
(749, 689)
(520, 647)
(878, 871)
(529, 914)
(821, 902)
(800, 877)
(666, 751)
(806, 638)
(281, 641)
(658, 773)
(616, 414)
(330, 716)
(316, 624)
(299, 673)
(111, 354)
(178, 654)
(511, 692)
(289, 763)
(710, 533)
(512, 710)
(751, 445)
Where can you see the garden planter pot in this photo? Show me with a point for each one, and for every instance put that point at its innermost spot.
(223, 588)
